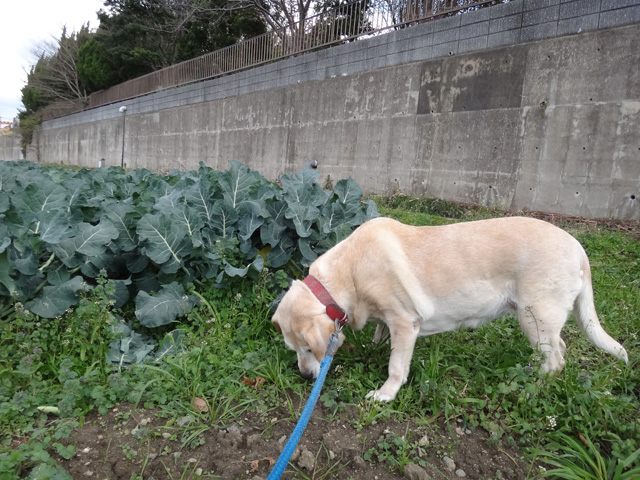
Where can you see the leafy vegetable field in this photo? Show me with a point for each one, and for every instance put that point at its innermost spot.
(153, 235)
(136, 342)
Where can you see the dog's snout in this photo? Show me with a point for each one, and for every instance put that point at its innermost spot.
(307, 375)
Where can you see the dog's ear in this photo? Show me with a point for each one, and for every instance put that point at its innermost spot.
(276, 324)
(317, 337)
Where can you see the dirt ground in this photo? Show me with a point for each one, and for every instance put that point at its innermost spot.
(126, 443)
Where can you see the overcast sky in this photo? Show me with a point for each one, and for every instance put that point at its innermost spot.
(24, 23)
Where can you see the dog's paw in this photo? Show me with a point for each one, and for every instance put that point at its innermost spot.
(379, 397)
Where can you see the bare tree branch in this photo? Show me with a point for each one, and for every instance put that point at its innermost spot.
(55, 72)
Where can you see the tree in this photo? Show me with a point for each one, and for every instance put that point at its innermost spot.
(55, 74)
(96, 67)
(137, 37)
(52, 80)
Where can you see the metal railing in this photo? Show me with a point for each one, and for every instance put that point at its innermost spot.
(361, 18)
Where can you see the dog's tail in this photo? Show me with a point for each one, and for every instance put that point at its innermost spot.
(587, 319)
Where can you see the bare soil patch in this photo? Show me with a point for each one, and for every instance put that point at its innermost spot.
(126, 442)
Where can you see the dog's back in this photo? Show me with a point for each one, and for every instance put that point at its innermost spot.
(468, 273)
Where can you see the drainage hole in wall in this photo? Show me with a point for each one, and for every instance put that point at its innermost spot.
(633, 197)
(577, 193)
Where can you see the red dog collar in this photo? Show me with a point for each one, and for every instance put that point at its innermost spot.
(334, 312)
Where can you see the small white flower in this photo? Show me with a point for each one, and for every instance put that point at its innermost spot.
(551, 422)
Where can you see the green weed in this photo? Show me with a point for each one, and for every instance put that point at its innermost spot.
(579, 459)
(396, 451)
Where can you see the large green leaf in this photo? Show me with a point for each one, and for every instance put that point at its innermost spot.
(4, 202)
(192, 223)
(46, 196)
(130, 348)
(252, 216)
(57, 273)
(237, 183)
(54, 300)
(306, 248)
(303, 217)
(272, 231)
(170, 302)
(121, 292)
(170, 345)
(166, 243)
(200, 197)
(303, 197)
(348, 191)
(169, 202)
(333, 215)
(91, 240)
(301, 188)
(281, 253)
(25, 262)
(224, 219)
(124, 218)
(5, 274)
(5, 239)
(257, 264)
(52, 228)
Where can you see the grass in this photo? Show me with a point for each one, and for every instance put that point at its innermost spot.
(583, 423)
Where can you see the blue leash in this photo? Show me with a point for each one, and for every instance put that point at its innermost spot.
(291, 445)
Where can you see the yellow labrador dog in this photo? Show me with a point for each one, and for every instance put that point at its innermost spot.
(426, 280)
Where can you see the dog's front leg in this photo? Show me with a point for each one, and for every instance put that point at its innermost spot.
(404, 334)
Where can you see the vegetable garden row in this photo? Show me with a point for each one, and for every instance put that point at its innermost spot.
(154, 234)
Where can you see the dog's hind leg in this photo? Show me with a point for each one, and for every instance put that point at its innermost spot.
(404, 333)
(542, 326)
(381, 334)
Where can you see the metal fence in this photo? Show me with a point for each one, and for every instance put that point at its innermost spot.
(361, 18)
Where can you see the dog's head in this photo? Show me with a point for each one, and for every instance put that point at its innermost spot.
(306, 327)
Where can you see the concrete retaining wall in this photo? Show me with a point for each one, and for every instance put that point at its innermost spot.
(502, 106)
(10, 147)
